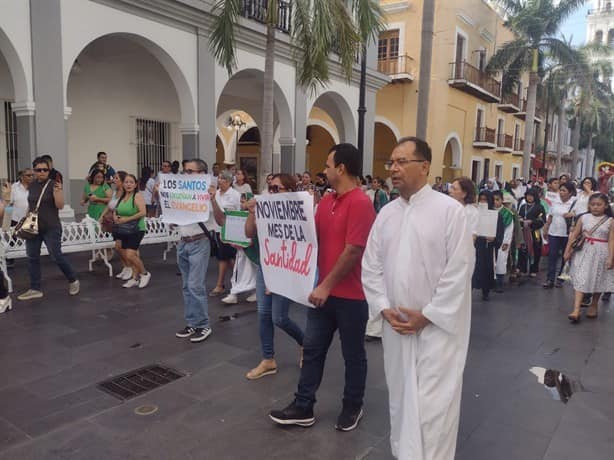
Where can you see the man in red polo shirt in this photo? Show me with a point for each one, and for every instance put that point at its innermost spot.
(343, 222)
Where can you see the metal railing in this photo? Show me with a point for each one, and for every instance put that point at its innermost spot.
(511, 99)
(485, 135)
(395, 66)
(518, 145)
(257, 10)
(465, 71)
(505, 141)
(603, 9)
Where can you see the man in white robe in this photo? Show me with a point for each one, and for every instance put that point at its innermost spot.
(416, 274)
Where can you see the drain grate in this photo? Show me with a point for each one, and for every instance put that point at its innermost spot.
(139, 381)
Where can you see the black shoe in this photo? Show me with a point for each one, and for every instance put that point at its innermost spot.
(185, 332)
(200, 334)
(558, 284)
(606, 297)
(293, 415)
(372, 338)
(587, 299)
(485, 297)
(348, 419)
(548, 285)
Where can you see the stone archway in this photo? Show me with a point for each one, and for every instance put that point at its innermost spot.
(339, 111)
(452, 158)
(383, 144)
(244, 92)
(126, 103)
(320, 141)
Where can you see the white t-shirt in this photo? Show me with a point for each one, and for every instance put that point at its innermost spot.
(558, 226)
(552, 197)
(19, 199)
(230, 200)
(148, 192)
(245, 188)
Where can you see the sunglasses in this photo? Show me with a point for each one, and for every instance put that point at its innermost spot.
(276, 189)
(40, 170)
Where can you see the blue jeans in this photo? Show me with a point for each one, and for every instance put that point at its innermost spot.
(193, 260)
(53, 240)
(350, 317)
(273, 311)
(557, 246)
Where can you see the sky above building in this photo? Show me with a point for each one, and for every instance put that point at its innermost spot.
(575, 26)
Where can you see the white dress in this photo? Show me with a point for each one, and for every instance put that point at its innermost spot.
(589, 271)
(420, 255)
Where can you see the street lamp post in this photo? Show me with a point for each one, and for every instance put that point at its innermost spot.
(236, 123)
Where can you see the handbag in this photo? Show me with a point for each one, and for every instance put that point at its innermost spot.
(107, 224)
(579, 241)
(126, 228)
(570, 221)
(27, 228)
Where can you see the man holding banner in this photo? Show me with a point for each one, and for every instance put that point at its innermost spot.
(185, 202)
(343, 221)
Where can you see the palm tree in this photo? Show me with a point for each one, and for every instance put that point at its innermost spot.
(534, 24)
(594, 100)
(319, 27)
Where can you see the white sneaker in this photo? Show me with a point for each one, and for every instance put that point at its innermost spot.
(144, 280)
(128, 274)
(130, 283)
(230, 299)
(252, 298)
(122, 274)
(6, 304)
(30, 294)
(73, 288)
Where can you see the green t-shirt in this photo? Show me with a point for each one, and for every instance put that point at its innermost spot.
(94, 210)
(127, 209)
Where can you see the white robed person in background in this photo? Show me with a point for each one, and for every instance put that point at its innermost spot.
(416, 274)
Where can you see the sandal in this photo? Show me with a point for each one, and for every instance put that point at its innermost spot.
(574, 317)
(262, 369)
(216, 292)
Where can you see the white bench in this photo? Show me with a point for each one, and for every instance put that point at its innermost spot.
(82, 237)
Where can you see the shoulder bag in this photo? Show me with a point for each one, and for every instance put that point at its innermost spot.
(579, 242)
(570, 221)
(127, 228)
(27, 228)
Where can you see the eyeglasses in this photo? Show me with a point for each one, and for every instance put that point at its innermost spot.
(276, 189)
(40, 170)
(193, 171)
(402, 162)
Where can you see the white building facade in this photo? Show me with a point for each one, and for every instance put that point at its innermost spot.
(137, 80)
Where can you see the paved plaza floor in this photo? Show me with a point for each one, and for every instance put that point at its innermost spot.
(54, 351)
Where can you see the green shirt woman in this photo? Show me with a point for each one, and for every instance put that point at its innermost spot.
(96, 194)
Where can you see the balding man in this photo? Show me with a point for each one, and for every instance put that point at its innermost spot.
(416, 274)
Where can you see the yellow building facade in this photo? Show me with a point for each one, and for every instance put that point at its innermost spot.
(473, 130)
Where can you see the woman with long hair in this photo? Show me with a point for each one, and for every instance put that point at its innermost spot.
(592, 263)
(118, 181)
(588, 186)
(96, 194)
(272, 308)
(241, 185)
(129, 219)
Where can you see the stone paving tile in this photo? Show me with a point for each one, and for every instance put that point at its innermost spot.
(10, 435)
(56, 349)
